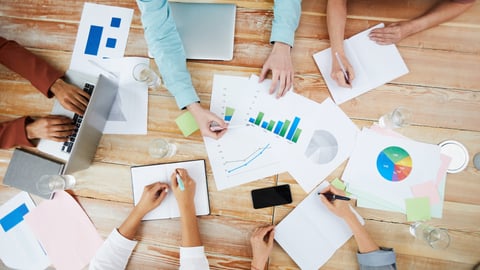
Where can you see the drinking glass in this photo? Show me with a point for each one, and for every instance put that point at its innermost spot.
(161, 148)
(49, 183)
(397, 118)
(143, 73)
(437, 238)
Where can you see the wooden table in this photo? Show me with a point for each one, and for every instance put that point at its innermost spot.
(442, 89)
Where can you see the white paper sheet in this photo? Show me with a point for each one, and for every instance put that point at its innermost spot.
(19, 248)
(373, 65)
(311, 234)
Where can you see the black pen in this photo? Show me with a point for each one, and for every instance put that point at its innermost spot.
(332, 197)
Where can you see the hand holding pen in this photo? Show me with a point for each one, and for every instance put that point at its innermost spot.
(339, 205)
(342, 71)
(183, 188)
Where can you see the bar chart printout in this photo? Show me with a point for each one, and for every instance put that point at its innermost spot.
(287, 129)
(228, 114)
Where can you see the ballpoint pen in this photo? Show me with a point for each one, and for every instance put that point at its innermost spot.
(342, 67)
(180, 181)
(331, 197)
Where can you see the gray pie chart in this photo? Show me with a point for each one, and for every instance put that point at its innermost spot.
(322, 148)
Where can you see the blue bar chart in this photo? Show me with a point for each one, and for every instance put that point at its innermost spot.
(287, 129)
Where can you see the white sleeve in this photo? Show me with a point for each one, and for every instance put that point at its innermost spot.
(114, 253)
(193, 258)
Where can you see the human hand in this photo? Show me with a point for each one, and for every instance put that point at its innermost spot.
(262, 244)
(390, 34)
(184, 197)
(337, 72)
(52, 127)
(71, 97)
(205, 118)
(340, 208)
(280, 63)
(152, 196)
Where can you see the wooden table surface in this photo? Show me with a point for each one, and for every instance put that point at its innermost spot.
(442, 89)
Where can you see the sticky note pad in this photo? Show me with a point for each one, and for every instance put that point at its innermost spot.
(418, 208)
(186, 123)
(427, 189)
(338, 184)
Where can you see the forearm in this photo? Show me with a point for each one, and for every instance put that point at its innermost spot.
(362, 237)
(442, 12)
(130, 226)
(13, 133)
(336, 19)
(286, 16)
(190, 232)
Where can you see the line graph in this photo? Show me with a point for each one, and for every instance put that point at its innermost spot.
(249, 159)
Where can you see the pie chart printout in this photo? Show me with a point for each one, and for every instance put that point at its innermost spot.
(322, 148)
(394, 164)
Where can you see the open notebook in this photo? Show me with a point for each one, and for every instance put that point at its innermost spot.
(373, 64)
(311, 233)
(145, 175)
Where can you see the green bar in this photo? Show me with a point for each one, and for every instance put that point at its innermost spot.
(229, 111)
(284, 128)
(259, 118)
(270, 125)
(296, 135)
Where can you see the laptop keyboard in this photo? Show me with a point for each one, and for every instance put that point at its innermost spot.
(77, 120)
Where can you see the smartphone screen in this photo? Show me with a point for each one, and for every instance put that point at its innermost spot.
(271, 196)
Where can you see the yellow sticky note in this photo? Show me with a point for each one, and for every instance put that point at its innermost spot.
(186, 123)
(418, 208)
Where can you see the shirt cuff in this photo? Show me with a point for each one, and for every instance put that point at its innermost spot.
(382, 257)
(192, 252)
(121, 240)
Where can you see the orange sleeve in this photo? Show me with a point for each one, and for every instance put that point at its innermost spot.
(13, 133)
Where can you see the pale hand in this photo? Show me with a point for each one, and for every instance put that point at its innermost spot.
(280, 63)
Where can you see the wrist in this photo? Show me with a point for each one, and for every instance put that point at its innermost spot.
(194, 107)
(281, 47)
(55, 86)
(257, 265)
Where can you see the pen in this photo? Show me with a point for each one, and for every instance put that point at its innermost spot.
(215, 127)
(332, 197)
(342, 67)
(180, 181)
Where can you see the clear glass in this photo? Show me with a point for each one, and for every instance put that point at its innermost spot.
(161, 148)
(49, 183)
(437, 238)
(143, 73)
(400, 117)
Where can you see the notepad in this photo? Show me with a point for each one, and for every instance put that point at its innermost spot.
(145, 175)
(311, 233)
(373, 65)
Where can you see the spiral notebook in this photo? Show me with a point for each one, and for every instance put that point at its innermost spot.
(148, 174)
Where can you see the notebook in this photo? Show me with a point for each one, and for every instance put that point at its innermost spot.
(79, 155)
(373, 65)
(148, 174)
(311, 233)
(206, 30)
(25, 168)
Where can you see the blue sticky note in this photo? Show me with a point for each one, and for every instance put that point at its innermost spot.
(13, 218)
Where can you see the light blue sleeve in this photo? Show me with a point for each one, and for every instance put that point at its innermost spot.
(166, 47)
(382, 259)
(286, 16)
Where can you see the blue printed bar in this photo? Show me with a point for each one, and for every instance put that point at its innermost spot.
(13, 218)
(228, 118)
(293, 128)
(278, 127)
(251, 120)
(264, 124)
(93, 40)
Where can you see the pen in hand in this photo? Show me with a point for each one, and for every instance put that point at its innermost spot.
(331, 197)
(180, 181)
(342, 67)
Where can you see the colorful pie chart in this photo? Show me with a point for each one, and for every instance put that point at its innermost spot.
(394, 164)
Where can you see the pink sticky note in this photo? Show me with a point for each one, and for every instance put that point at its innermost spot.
(444, 162)
(65, 231)
(427, 189)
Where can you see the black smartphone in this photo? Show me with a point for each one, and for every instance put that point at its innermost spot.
(271, 196)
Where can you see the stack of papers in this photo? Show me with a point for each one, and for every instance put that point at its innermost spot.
(390, 172)
(268, 135)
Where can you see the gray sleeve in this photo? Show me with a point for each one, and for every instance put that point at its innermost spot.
(383, 259)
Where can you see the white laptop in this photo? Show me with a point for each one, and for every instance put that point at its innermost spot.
(79, 151)
(207, 30)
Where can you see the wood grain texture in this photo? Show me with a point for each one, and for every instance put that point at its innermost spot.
(442, 90)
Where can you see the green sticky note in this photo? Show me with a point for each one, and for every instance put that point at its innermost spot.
(338, 184)
(418, 208)
(186, 123)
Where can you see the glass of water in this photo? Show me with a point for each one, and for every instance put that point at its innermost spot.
(161, 148)
(143, 73)
(437, 238)
(398, 118)
(49, 183)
